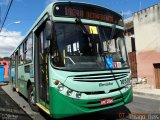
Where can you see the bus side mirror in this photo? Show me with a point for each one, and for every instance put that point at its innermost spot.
(49, 30)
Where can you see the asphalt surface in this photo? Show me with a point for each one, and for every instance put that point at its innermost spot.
(144, 104)
(9, 110)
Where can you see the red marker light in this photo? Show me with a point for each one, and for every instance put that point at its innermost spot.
(56, 82)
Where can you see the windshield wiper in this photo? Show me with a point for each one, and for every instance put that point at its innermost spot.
(108, 40)
(112, 32)
(79, 22)
(85, 32)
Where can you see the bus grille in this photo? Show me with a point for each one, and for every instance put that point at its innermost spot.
(102, 92)
(101, 77)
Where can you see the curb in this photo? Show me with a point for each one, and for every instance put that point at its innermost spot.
(146, 94)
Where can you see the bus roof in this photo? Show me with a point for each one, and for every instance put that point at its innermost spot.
(49, 7)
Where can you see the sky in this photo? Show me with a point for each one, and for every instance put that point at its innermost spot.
(27, 11)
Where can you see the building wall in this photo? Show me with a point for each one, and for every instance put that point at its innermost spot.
(129, 32)
(128, 44)
(6, 68)
(147, 37)
(145, 66)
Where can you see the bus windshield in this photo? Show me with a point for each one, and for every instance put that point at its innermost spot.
(98, 48)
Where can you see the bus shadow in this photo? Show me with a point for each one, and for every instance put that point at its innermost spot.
(111, 114)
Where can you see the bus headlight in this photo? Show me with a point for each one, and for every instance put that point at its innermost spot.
(78, 94)
(69, 92)
(60, 87)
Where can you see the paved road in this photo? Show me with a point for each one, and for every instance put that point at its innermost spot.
(23, 104)
(145, 105)
(9, 110)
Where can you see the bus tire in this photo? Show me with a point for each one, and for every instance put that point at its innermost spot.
(31, 101)
(13, 89)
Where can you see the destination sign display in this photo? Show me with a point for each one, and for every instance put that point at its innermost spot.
(86, 11)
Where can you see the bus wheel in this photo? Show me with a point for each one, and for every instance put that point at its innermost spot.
(31, 99)
(13, 89)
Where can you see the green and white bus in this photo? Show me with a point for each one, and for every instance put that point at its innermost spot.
(73, 61)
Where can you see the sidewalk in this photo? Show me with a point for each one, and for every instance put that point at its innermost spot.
(145, 90)
(23, 104)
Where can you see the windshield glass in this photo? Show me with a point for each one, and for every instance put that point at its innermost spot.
(88, 47)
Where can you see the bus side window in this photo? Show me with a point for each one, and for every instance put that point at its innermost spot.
(20, 59)
(28, 47)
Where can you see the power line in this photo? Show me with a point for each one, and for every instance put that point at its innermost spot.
(10, 4)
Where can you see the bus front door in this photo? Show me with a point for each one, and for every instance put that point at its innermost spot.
(41, 68)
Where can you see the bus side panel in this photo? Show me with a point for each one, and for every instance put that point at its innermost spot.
(23, 77)
(21, 80)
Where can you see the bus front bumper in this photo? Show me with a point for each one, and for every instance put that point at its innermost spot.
(63, 106)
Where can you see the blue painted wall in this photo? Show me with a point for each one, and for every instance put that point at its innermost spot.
(1, 73)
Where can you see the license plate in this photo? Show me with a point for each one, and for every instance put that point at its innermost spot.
(106, 101)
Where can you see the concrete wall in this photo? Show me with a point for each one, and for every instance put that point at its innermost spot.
(147, 29)
(128, 43)
(147, 38)
(145, 67)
